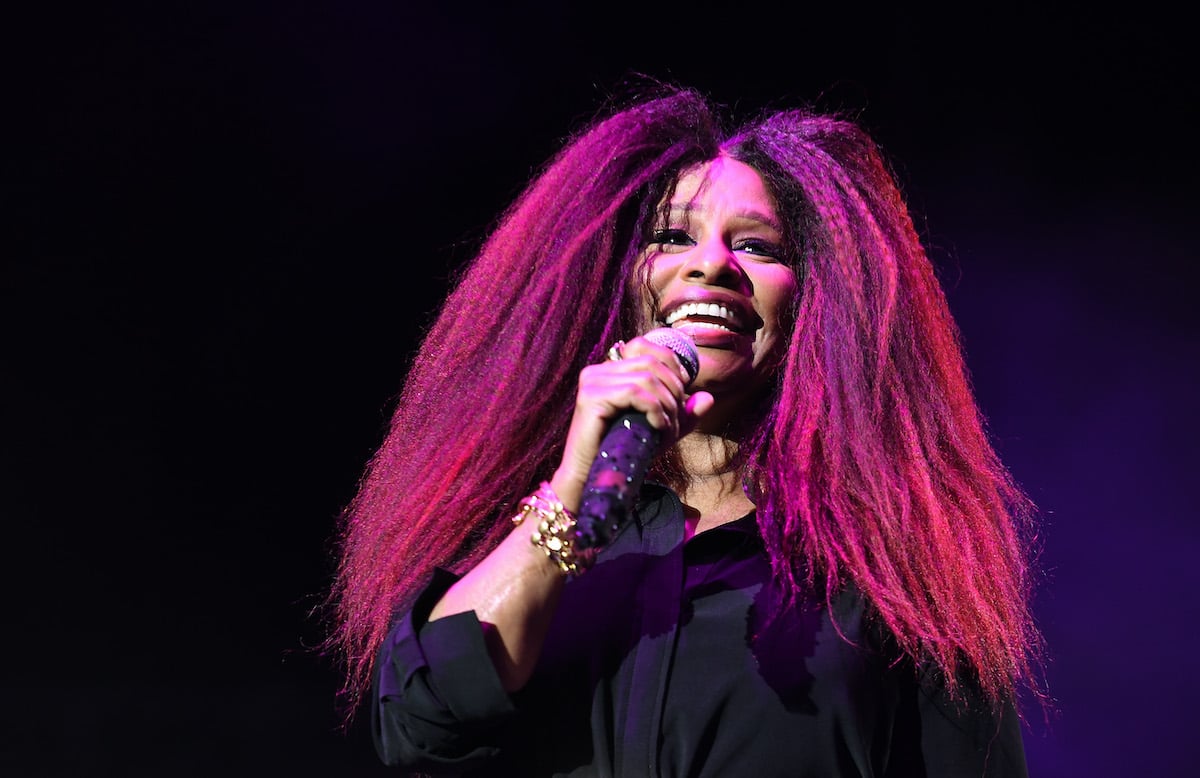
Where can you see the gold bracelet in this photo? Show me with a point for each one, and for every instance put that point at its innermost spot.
(554, 532)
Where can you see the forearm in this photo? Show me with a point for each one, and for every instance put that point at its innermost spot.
(513, 592)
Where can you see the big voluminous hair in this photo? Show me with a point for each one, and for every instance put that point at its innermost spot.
(872, 464)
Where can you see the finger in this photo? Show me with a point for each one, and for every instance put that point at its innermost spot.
(641, 383)
(640, 346)
(607, 389)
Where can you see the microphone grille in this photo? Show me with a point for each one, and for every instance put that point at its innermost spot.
(683, 346)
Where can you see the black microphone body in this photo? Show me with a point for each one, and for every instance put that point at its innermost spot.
(629, 445)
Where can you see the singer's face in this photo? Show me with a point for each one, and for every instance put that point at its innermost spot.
(717, 271)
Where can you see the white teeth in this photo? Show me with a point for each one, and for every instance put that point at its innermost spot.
(699, 309)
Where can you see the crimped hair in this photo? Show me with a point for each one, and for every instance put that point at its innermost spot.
(872, 463)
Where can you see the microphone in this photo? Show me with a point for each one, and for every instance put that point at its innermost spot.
(615, 479)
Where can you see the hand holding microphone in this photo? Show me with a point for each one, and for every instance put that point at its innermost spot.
(629, 445)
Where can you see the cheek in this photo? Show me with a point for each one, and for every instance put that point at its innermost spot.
(777, 291)
(778, 310)
(652, 275)
(644, 290)
(771, 351)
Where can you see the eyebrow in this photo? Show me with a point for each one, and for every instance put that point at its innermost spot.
(751, 214)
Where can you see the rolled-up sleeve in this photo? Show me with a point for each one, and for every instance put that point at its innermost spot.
(438, 703)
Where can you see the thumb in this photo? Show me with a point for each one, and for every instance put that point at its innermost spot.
(696, 406)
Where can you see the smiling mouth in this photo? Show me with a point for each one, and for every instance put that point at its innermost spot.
(705, 315)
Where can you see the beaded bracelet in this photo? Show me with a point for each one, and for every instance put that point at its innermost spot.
(554, 532)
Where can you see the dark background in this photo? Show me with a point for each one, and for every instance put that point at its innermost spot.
(228, 223)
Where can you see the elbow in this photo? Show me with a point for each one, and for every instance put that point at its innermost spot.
(393, 752)
(397, 745)
(427, 745)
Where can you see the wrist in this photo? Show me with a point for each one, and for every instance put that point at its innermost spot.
(552, 530)
(568, 485)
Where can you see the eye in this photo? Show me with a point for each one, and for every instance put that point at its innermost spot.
(760, 248)
(671, 237)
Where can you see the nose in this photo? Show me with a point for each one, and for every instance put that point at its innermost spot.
(713, 262)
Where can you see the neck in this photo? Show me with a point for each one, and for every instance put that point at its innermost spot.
(711, 488)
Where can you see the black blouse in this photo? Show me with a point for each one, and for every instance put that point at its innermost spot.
(680, 659)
